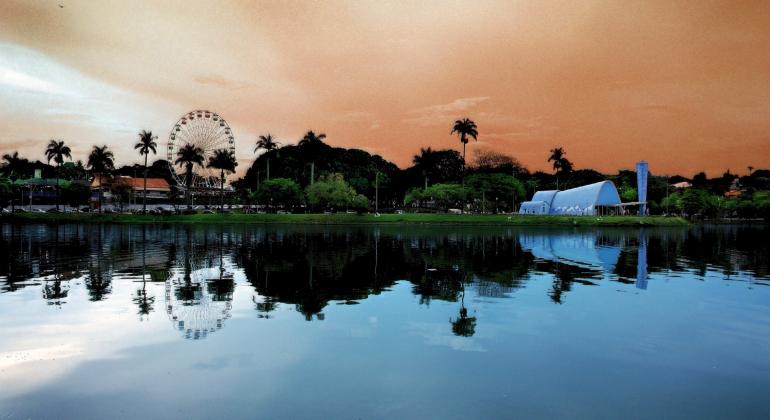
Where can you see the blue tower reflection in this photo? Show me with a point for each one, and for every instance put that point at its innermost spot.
(641, 262)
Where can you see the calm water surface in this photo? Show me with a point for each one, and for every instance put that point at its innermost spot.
(124, 322)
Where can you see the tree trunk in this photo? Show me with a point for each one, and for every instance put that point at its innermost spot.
(58, 190)
(144, 196)
(268, 169)
(100, 192)
(222, 192)
(188, 193)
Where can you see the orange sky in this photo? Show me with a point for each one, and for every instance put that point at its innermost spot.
(684, 85)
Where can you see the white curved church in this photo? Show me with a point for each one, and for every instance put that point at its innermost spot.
(581, 201)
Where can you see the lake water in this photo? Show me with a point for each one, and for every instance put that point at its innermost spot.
(188, 322)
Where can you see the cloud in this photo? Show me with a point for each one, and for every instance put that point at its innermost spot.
(441, 113)
(222, 82)
(25, 82)
(438, 335)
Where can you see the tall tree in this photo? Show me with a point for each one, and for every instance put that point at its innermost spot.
(146, 145)
(268, 144)
(57, 151)
(438, 166)
(312, 142)
(14, 169)
(465, 128)
(224, 160)
(14, 165)
(311, 138)
(188, 156)
(425, 161)
(101, 161)
(561, 165)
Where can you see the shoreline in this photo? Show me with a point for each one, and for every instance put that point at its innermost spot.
(351, 219)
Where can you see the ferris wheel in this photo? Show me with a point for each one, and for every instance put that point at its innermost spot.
(204, 129)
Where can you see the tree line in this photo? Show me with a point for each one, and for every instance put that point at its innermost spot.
(314, 176)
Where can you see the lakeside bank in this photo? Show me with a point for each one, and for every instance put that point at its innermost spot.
(351, 219)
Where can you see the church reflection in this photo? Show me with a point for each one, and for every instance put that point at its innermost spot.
(579, 257)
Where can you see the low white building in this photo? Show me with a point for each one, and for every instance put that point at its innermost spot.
(581, 201)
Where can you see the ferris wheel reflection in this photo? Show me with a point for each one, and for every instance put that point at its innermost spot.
(199, 292)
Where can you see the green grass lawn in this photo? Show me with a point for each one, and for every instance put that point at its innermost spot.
(409, 218)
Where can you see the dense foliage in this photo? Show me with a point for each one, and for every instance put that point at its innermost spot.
(313, 176)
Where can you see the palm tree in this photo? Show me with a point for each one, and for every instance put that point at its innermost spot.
(561, 165)
(146, 145)
(188, 156)
(101, 160)
(13, 169)
(57, 151)
(425, 161)
(268, 144)
(12, 163)
(465, 128)
(224, 160)
(312, 141)
(311, 138)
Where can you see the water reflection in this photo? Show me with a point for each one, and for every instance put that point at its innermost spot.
(310, 268)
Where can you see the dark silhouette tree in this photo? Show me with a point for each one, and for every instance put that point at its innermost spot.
(438, 165)
(146, 145)
(268, 144)
(465, 128)
(224, 160)
(57, 151)
(561, 165)
(312, 139)
(101, 161)
(14, 169)
(426, 162)
(312, 142)
(189, 156)
(14, 164)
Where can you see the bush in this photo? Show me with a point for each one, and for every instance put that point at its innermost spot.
(279, 192)
(445, 196)
(6, 191)
(332, 191)
(497, 189)
(75, 195)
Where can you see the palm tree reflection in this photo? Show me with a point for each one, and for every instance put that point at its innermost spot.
(56, 291)
(99, 280)
(463, 326)
(143, 301)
